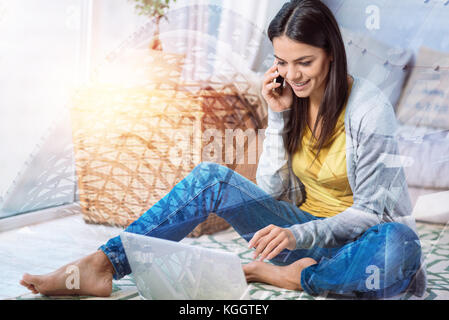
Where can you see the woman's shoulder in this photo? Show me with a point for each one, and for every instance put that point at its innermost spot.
(366, 94)
(368, 105)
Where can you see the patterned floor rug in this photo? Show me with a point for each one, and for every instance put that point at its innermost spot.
(434, 239)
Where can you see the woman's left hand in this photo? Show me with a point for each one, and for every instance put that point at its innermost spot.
(270, 241)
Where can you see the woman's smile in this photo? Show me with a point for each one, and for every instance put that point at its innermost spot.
(299, 86)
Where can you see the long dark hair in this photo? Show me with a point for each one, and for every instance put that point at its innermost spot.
(311, 22)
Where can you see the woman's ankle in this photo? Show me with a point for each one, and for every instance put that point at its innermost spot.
(102, 261)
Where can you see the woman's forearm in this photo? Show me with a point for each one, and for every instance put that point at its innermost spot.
(272, 170)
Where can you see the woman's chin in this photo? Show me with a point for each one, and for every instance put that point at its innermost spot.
(302, 94)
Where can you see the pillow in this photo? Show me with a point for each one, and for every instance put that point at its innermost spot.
(425, 101)
(431, 206)
(378, 62)
(426, 152)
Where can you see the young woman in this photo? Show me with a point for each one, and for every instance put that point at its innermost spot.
(331, 207)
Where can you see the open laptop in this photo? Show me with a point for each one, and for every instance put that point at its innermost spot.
(168, 270)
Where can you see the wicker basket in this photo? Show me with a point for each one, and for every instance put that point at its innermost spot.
(133, 145)
(117, 147)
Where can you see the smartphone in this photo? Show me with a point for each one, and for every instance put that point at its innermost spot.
(280, 80)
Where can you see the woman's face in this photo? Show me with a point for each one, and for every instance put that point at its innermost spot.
(304, 67)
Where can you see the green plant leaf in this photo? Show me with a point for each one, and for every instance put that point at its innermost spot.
(152, 8)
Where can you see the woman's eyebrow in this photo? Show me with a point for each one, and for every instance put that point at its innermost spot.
(296, 60)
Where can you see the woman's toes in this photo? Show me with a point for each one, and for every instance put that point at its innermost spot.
(250, 270)
(27, 282)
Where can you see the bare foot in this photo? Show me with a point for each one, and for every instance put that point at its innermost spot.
(91, 275)
(287, 277)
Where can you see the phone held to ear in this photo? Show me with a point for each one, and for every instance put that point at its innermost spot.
(280, 80)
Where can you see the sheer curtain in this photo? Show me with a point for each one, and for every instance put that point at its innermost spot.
(228, 25)
(244, 25)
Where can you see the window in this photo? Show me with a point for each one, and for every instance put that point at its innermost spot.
(43, 53)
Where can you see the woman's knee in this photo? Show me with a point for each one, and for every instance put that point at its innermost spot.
(401, 241)
(212, 170)
(395, 231)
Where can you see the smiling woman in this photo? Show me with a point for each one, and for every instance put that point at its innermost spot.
(310, 31)
(334, 174)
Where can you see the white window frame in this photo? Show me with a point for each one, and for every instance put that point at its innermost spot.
(29, 218)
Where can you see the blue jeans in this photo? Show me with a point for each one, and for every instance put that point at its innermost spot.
(380, 263)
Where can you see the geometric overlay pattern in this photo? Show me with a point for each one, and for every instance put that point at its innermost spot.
(434, 241)
(47, 179)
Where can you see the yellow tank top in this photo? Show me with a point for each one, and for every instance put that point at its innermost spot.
(326, 182)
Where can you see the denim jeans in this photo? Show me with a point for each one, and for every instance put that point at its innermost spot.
(380, 263)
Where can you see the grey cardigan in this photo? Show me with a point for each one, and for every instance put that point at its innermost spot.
(374, 167)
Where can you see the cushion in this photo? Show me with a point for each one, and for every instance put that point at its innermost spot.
(425, 101)
(382, 64)
(425, 151)
(431, 206)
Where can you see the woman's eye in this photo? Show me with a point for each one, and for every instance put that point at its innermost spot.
(305, 64)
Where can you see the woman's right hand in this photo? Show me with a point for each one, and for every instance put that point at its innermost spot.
(276, 102)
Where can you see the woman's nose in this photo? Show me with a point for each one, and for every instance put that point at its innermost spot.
(292, 74)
